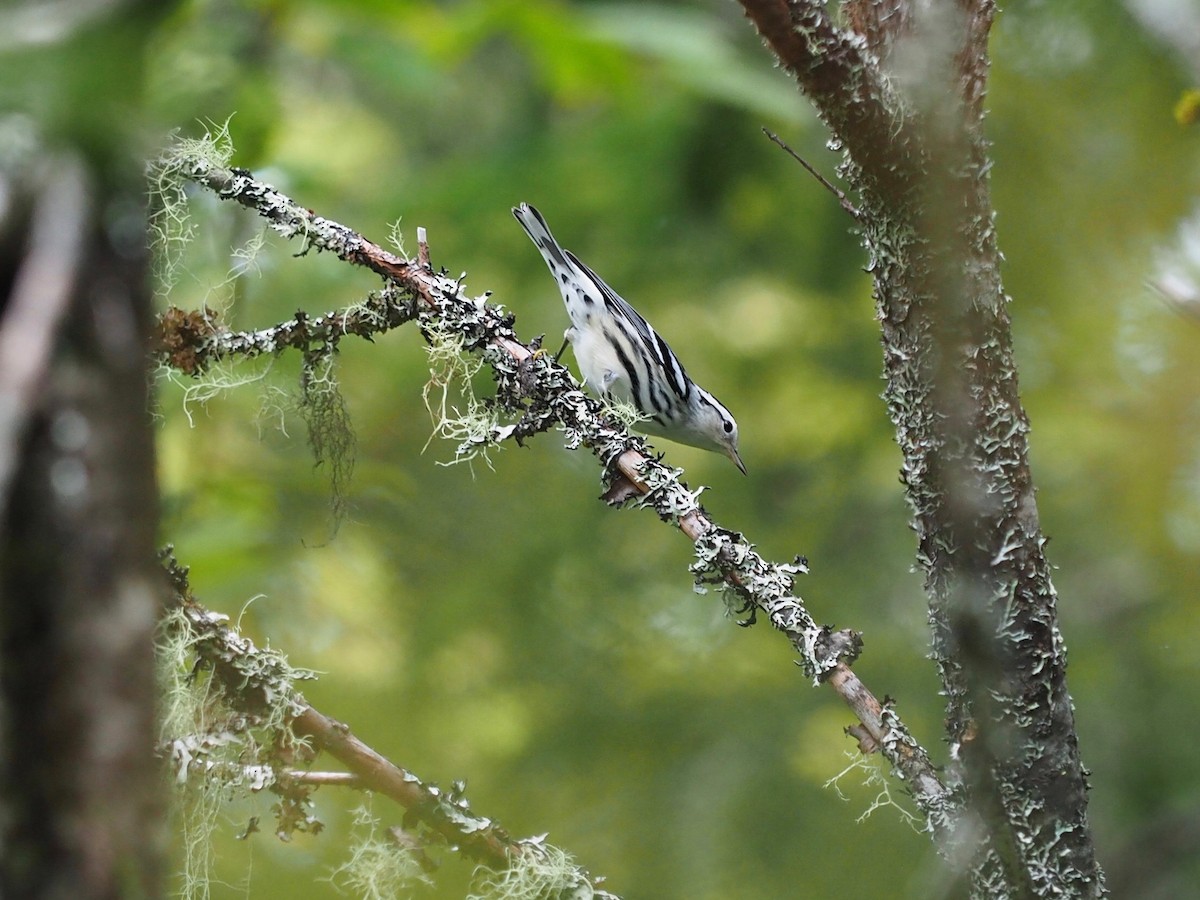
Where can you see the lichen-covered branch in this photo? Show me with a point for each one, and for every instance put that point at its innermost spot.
(539, 395)
(260, 687)
(901, 87)
(193, 340)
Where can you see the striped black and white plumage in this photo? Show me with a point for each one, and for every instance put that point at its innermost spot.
(621, 355)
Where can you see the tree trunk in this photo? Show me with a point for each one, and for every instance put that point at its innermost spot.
(903, 97)
(80, 807)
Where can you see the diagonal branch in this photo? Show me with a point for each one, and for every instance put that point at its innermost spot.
(843, 201)
(250, 681)
(543, 395)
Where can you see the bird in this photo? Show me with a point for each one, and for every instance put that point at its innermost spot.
(621, 356)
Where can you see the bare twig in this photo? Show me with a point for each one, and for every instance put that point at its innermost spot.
(842, 199)
(423, 250)
(338, 779)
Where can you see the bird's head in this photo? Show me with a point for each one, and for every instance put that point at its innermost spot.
(714, 428)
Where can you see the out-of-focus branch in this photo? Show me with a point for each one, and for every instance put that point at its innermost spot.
(37, 303)
(253, 683)
(542, 394)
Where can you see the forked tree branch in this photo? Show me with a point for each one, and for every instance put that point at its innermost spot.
(540, 394)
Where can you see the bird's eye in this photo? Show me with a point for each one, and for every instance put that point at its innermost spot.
(729, 428)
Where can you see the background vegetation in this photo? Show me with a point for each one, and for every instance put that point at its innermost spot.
(502, 626)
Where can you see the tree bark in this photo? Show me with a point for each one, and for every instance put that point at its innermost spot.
(903, 98)
(80, 806)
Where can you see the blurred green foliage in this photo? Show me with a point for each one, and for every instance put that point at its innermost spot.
(503, 626)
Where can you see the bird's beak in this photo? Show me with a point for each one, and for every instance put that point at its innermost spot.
(737, 460)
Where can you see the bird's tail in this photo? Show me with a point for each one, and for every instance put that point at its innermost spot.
(539, 232)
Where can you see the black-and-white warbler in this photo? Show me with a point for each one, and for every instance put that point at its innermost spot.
(620, 355)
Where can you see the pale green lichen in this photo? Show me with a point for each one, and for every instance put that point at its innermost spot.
(624, 411)
(540, 873)
(396, 238)
(476, 424)
(171, 226)
(379, 867)
(870, 768)
(217, 753)
(217, 381)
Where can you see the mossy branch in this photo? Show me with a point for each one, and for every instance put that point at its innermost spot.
(539, 395)
(260, 687)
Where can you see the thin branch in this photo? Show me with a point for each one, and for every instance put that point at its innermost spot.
(838, 72)
(478, 837)
(194, 340)
(337, 779)
(544, 395)
(842, 199)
